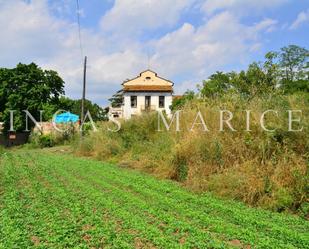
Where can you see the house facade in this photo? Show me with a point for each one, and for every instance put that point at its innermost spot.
(146, 92)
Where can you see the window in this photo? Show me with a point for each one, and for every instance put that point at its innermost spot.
(161, 101)
(133, 101)
(148, 78)
(147, 102)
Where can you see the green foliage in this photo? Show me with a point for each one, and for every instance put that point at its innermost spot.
(257, 80)
(55, 201)
(2, 150)
(296, 86)
(293, 62)
(46, 141)
(117, 99)
(285, 71)
(216, 85)
(38, 140)
(138, 130)
(42, 141)
(179, 102)
(27, 87)
(305, 209)
(181, 167)
(284, 199)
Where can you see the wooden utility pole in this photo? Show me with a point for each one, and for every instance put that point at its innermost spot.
(84, 91)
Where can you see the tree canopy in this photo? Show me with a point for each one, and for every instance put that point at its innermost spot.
(180, 101)
(117, 99)
(286, 71)
(27, 87)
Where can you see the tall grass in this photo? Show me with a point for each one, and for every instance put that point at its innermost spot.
(267, 169)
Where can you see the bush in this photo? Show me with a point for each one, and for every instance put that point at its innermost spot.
(181, 167)
(46, 141)
(38, 140)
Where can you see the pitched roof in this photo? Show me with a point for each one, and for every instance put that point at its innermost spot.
(148, 77)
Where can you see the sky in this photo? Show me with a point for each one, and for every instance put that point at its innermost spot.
(182, 40)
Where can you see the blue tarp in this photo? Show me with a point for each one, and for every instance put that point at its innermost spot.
(66, 117)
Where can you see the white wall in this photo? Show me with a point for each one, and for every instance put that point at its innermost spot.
(127, 107)
(168, 103)
(128, 111)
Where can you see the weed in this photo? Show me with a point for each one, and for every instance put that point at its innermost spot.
(267, 169)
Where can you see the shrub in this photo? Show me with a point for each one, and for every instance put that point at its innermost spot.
(181, 167)
(46, 141)
(38, 140)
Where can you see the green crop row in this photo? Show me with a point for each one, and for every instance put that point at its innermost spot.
(58, 201)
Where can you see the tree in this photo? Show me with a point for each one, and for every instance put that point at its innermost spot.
(257, 79)
(217, 84)
(117, 99)
(297, 86)
(27, 87)
(287, 70)
(271, 69)
(293, 61)
(180, 101)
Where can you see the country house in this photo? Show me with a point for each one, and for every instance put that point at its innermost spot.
(146, 92)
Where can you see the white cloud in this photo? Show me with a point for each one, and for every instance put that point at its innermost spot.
(30, 32)
(302, 17)
(266, 24)
(135, 16)
(240, 6)
(197, 52)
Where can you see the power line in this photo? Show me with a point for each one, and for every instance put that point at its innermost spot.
(79, 29)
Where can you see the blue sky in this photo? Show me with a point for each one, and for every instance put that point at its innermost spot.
(186, 40)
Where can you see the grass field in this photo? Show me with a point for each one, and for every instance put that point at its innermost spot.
(58, 201)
